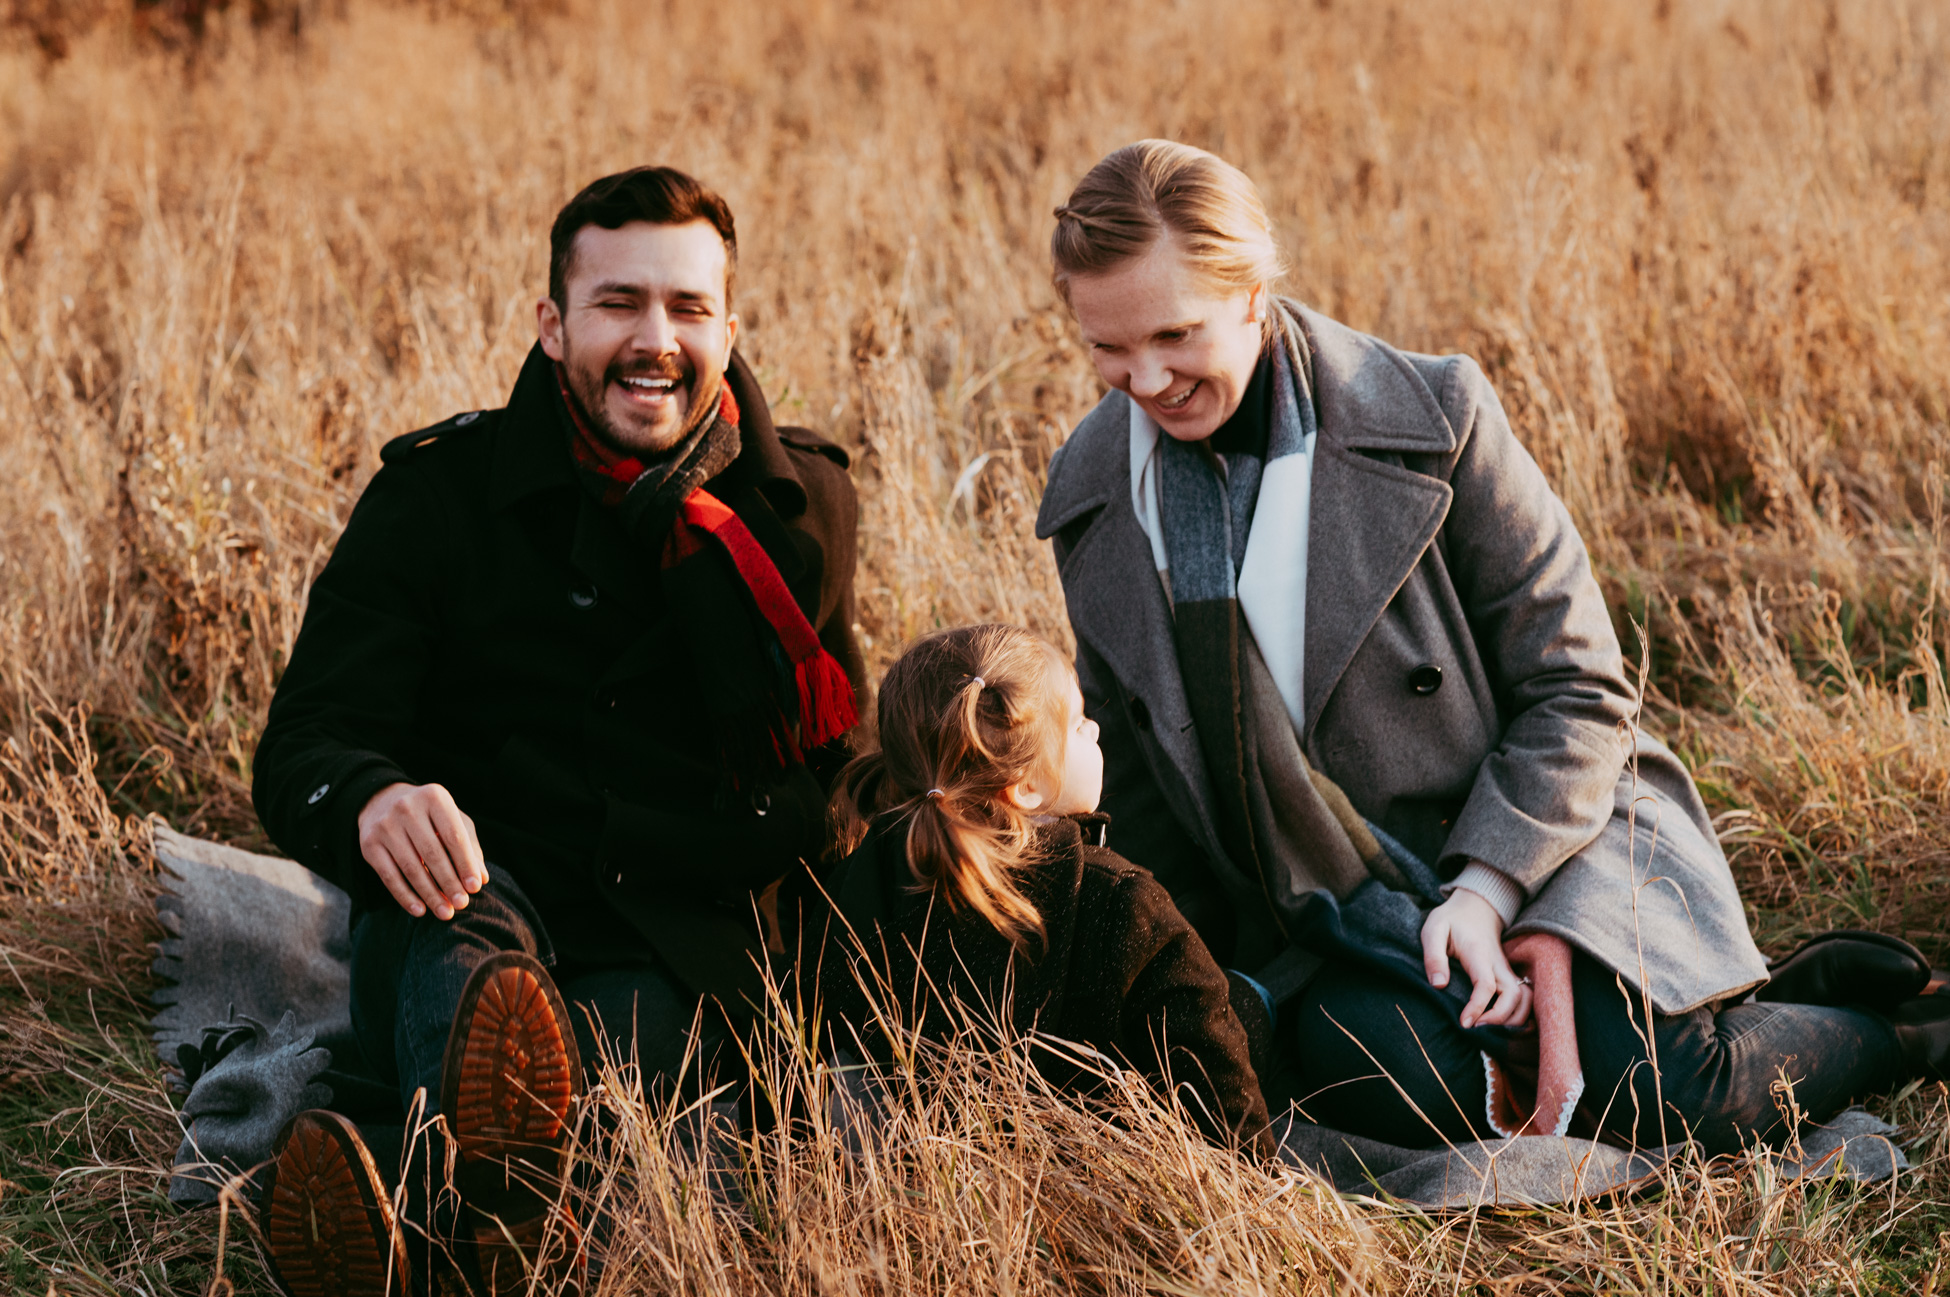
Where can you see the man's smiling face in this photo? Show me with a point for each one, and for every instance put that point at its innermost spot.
(643, 331)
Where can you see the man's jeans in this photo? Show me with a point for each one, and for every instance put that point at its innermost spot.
(1715, 1080)
(408, 974)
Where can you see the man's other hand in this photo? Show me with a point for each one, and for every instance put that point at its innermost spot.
(422, 847)
(1469, 928)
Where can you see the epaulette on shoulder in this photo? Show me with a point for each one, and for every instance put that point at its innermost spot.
(1106, 861)
(807, 440)
(400, 447)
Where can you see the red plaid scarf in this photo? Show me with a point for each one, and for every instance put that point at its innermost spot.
(826, 707)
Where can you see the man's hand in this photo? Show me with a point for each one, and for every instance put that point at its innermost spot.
(422, 847)
(1469, 928)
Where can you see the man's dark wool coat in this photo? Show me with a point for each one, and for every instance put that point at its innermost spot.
(1117, 968)
(486, 625)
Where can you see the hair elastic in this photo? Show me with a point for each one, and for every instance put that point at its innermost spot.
(1087, 221)
(935, 794)
(979, 682)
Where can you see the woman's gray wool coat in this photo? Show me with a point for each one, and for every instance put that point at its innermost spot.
(1433, 541)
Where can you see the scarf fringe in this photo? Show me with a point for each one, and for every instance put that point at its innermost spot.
(827, 708)
(826, 705)
(753, 746)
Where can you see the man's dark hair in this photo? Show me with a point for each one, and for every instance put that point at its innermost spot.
(659, 195)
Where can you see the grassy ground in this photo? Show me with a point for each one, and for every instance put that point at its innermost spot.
(1701, 250)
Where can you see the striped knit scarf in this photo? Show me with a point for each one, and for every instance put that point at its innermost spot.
(775, 689)
(1207, 505)
(1281, 820)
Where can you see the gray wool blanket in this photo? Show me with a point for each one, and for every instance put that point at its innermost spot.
(256, 1017)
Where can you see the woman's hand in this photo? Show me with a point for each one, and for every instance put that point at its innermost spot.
(1469, 928)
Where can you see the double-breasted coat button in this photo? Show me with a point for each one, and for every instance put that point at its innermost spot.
(1425, 679)
(318, 794)
(583, 598)
(1140, 714)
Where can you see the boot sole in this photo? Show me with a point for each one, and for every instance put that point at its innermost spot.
(510, 1258)
(511, 1072)
(327, 1218)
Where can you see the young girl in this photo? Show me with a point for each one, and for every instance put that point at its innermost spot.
(970, 875)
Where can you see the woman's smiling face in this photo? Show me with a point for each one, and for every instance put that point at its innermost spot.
(1183, 348)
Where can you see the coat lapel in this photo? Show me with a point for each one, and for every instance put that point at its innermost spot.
(1116, 602)
(1371, 519)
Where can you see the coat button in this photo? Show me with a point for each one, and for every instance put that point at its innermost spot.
(1140, 714)
(318, 794)
(1425, 679)
(583, 598)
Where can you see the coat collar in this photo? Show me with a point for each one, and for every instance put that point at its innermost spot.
(1370, 521)
(532, 453)
(531, 457)
(1370, 518)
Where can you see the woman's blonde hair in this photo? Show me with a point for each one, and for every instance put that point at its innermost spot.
(1125, 203)
(964, 715)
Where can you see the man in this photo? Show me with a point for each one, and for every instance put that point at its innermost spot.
(568, 696)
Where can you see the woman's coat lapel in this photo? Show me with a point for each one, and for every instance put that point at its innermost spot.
(1371, 519)
(1117, 603)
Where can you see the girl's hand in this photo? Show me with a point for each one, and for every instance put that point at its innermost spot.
(1469, 928)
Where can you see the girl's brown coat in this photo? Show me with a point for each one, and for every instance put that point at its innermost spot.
(1118, 969)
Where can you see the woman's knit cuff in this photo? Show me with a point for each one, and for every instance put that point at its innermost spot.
(1503, 892)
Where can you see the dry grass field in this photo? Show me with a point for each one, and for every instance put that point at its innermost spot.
(1702, 248)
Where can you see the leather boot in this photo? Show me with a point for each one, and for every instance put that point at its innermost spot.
(509, 1082)
(1923, 1030)
(1871, 969)
(327, 1218)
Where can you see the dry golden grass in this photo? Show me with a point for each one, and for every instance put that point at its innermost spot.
(1701, 249)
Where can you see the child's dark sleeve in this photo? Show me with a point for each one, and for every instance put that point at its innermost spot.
(1177, 1018)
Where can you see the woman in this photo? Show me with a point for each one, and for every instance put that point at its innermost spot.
(1334, 624)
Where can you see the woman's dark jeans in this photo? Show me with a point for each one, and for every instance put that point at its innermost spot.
(1715, 1081)
(408, 974)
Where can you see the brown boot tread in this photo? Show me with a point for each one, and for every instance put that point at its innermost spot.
(515, 1088)
(326, 1238)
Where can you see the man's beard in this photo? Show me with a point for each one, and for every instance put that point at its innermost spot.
(590, 392)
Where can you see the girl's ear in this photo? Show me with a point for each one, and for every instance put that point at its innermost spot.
(1026, 796)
